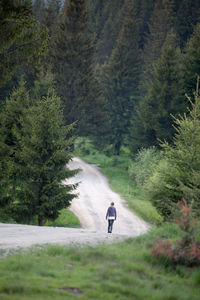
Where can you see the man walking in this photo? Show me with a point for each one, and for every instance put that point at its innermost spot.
(111, 216)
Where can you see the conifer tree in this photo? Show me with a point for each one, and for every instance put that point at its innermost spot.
(46, 13)
(160, 24)
(187, 17)
(120, 77)
(112, 15)
(144, 10)
(39, 10)
(13, 112)
(20, 38)
(178, 176)
(192, 61)
(73, 69)
(163, 97)
(44, 151)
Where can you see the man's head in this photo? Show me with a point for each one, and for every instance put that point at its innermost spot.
(112, 203)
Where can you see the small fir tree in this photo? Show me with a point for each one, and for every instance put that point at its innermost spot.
(178, 176)
(45, 150)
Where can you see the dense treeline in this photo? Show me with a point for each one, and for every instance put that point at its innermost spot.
(121, 70)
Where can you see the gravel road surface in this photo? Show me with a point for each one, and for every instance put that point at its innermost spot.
(90, 207)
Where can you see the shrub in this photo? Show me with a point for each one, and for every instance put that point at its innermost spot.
(185, 251)
(144, 165)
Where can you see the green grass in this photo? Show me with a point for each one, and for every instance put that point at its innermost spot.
(121, 271)
(116, 170)
(65, 219)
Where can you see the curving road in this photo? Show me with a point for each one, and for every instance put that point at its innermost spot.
(95, 196)
(90, 207)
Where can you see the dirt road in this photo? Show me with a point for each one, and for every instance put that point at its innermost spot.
(90, 207)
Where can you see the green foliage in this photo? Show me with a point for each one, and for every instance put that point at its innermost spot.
(43, 85)
(165, 96)
(74, 71)
(44, 153)
(187, 12)
(185, 251)
(65, 219)
(13, 112)
(192, 61)
(120, 79)
(21, 40)
(144, 164)
(106, 22)
(178, 175)
(35, 148)
(160, 24)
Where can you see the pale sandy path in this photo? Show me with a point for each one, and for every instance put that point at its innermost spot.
(95, 196)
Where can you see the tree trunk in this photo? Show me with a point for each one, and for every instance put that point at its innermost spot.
(40, 221)
(117, 148)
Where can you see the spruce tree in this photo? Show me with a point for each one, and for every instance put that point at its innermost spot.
(178, 176)
(44, 151)
(163, 97)
(120, 77)
(160, 24)
(46, 13)
(192, 61)
(73, 69)
(39, 9)
(187, 17)
(13, 112)
(20, 38)
(112, 16)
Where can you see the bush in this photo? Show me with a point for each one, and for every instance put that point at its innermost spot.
(142, 168)
(185, 251)
(161, 189)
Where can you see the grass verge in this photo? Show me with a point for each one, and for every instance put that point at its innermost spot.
(66, 219)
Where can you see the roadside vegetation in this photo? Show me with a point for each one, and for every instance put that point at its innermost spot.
(66, 218)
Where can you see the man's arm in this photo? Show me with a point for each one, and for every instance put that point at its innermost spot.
(107, 214)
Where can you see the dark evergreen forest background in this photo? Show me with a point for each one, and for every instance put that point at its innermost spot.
(120, 67)
(116, 71)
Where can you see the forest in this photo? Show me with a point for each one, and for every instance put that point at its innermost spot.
(121, 73)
